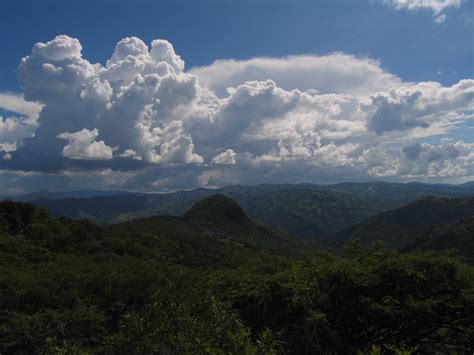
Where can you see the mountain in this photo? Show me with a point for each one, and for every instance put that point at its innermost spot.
(217, 218)
(117, 208)
(296, 210)
(307, 210)
(62, 195)
(402, 226)
(458, 235)
(100, 207)
(221, 216)
(394, 195)
(219, 210)
(215, 231)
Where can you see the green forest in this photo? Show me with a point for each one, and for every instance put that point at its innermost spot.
(215, 282)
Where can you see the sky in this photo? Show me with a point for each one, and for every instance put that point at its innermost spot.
(153, 95)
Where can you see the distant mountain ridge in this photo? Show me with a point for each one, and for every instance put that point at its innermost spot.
(64, 195)
(308, 210)
(390, 190)
(402, 226)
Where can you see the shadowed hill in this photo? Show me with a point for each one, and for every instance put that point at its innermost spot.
(218, 209)
(180, 242)
(403, 225)
(306, 212)
(395, 195)
(215, 219)
(458, 235)
(221, 216)
(223, 240)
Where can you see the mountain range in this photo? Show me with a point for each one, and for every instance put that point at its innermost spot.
(314, 212)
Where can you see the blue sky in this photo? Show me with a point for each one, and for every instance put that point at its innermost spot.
(409, 44)
(375, 79)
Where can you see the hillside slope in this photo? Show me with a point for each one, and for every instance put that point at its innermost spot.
(215, 219)
(458, 236)
(306, 210)
(403, 225)
(394, 195)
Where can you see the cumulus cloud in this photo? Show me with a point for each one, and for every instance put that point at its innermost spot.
(137, 102)
(12, 129)
(393, 112)
(82, 145)
(449, 158)
(437, 7)
(142, 121)
(227, 157)
(20, 124)
(334, 73)
(420, 105)
(16, 103)
(130, 153)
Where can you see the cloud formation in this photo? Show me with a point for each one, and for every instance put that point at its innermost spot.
(227, 157)
(20, 122)
(335, 73)
(82, 145)
(143, 121)
(449, 158)
(437, 7)
(421, 105)
(136, 102)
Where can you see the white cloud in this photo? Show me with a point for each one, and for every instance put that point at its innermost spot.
(309, 118)
(130, 153)
(18, 126)
(421, 105)
(82, 145)
(227, 157)
(138, 101)
(334, 73)
(16, 103)
(448, 159)
(174, 146)
(163, 51)
(437, 7)
(12, 130)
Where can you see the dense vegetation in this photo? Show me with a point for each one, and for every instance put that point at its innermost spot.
(458, 235)
(303, 210)
(218, 283)
(401, 226)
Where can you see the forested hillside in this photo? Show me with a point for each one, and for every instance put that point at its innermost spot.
(458, 235)
(216, 282)
(402, 226)
(302, 210)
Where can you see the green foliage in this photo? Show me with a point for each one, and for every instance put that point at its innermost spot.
(15, 216)
(170, 325)
(380, 296)
(402, 226)
(168, 285)
(218, 209)
(458, 236)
